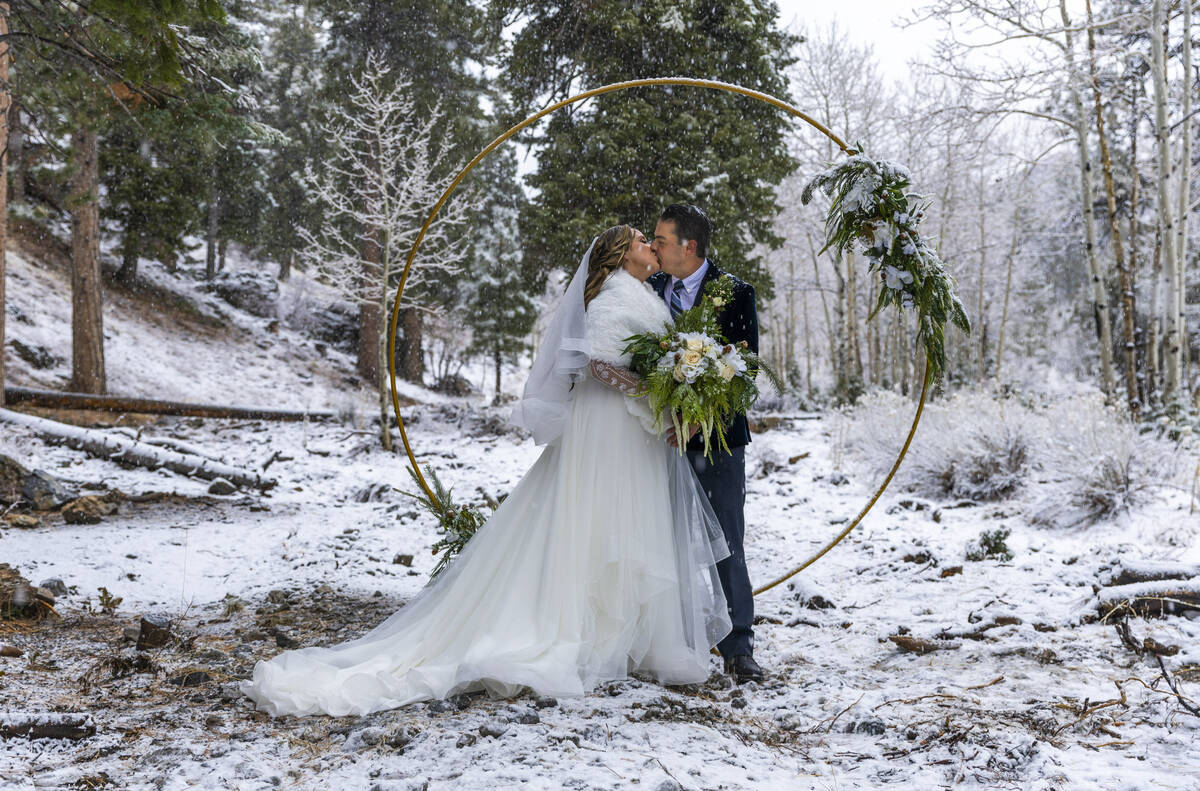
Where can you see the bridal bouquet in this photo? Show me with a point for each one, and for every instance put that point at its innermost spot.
(693, 374)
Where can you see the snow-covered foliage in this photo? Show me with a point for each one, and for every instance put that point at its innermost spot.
(385, 172)
(1075, 461)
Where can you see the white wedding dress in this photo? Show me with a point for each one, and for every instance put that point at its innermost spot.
(599, 563)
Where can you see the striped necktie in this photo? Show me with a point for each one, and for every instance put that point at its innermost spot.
(677, 299)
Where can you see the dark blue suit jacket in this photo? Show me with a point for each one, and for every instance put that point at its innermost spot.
(739, 322)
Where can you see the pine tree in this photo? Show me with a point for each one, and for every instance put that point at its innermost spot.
(500, 309)
(621, 157)
(79, 66)
(289, 87)
(435, 44)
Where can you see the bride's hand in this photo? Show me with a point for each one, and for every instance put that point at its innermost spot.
(673, 441)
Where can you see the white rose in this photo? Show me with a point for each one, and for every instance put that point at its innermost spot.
(726, 370)
(695, 344)
(692, 357)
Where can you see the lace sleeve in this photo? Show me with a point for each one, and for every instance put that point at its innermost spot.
(629, 384)
(616, 377)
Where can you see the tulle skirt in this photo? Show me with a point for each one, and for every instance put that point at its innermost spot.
(599, 563)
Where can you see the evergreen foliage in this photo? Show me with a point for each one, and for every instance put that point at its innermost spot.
(621, 157)
(499, 305)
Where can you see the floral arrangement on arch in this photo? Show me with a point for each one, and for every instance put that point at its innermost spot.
(869, 206)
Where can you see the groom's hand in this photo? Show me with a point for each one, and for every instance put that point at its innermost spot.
(673, 440)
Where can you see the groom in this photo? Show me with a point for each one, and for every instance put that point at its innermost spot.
(681, 244)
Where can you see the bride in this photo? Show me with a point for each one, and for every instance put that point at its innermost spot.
(601, 562)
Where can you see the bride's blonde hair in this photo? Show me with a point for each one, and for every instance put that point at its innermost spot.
(607, 254)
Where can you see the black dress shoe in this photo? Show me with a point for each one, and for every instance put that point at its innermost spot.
(743, 668)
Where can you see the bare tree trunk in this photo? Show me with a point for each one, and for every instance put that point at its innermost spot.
(1099, 293)
(982, 268)
(1154, 384)
(412, 360)
(496, 359)
(853, 345)
(5, 107)
(87, 322)
(807, 350)
(789, 351)
(1185, 193)
(369, 312)
(829, 325)
(16, 139)
(1114, 228)
(285, 265)
(385, 420)
(874, 330)
(1134, 228)
(1012, 255)
(129, 263)
(1172, 340)
(222, 247)
(210, 236)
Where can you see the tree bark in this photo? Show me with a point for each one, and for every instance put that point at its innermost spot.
(1012, 255)
(807, 350)
(381, 363)
(496, 360)
(1154, 384)
(854, 346)
(1114, 228)
(1185, 192)
(129, 261)
(369, 311)
(87, 319)
(1099, 293)
(412, 359)
(210, 235)
(16, 139)
(829, 326)
(1134, 228)
(5, 106)
(982, 269)
(1172, 341)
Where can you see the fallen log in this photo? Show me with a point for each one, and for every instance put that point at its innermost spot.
(1157, 598)
(125, 450)
(47, 725)
(1127, 572)
(918, 645)
(51, 400)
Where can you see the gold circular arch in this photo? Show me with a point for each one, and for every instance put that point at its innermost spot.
(492, 146)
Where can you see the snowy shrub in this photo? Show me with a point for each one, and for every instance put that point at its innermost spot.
(1097, 464)
(990, 545)
(1080, 460)
(969, 446)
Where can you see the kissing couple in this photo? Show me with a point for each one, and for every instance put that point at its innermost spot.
(614, 554)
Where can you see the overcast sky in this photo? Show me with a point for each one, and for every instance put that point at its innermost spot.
(867, 22)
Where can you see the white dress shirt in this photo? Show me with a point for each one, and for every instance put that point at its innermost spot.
(691, 287)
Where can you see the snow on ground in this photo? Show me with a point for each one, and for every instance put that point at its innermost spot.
(192, 350)
(1027, 691)
(842, 707)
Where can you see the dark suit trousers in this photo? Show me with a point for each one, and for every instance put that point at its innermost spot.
(724, 481)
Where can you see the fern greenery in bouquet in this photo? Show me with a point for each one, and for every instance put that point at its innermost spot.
(693, 374)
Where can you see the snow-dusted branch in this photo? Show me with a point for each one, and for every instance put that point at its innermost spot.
(376, 189)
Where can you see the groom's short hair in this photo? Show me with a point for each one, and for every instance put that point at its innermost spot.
(691, 223)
